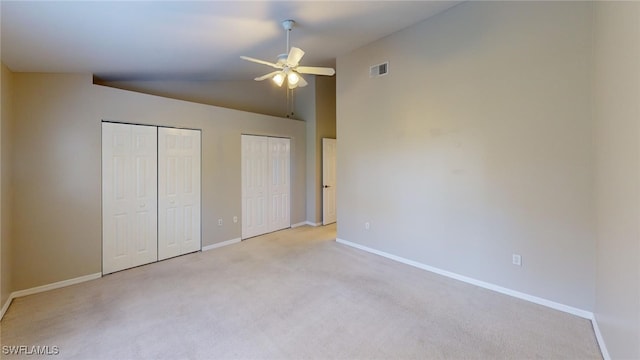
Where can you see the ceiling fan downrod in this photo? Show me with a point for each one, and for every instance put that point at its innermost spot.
(288, 25)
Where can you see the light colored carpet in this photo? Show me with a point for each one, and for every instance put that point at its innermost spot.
(293, 294)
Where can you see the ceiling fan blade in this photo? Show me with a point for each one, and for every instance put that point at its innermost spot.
(261, 62)
(265, 77)
(295, 54)
(314, 70)
(302, 82)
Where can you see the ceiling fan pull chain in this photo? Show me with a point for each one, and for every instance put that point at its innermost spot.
(292, 104)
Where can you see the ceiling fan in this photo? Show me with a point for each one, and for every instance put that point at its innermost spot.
(288, 65)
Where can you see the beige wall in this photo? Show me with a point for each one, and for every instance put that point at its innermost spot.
(56, 170)
(476, 145)
(253, 96)
(6, 287)
(305, 109)
(617, 115)
(325, 128)
(317, 104)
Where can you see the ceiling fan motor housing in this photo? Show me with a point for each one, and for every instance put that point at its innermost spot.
(282, 59)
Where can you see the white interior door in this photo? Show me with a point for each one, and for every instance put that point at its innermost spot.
(255, 158)
(129, 196)
(279, 187)
(328, 181)
(178, 192)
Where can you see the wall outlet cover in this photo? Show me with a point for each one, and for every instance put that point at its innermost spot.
(517, 260)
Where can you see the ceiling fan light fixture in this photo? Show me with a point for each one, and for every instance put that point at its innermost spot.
(278, 79)
(293, 78)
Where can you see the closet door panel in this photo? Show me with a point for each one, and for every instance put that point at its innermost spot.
(129, 196)
(279, 186)
(255, 189)
(179, 192)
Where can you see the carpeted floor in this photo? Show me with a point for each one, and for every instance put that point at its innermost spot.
(293, 294)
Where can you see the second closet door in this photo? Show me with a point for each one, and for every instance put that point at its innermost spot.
(178, 192)
(265, 185)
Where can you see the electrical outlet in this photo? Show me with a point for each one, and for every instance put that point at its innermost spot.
(219, 222)
(235, 219)
(517, 260)
(367, 225)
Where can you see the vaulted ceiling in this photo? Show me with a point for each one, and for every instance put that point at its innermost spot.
(191, 40)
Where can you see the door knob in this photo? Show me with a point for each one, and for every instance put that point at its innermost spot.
(326, 186)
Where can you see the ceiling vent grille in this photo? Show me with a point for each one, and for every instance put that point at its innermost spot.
(379, 70)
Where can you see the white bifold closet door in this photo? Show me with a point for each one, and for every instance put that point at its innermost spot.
(266, 185)
(150, 194)
(178, 192)
(129, 196)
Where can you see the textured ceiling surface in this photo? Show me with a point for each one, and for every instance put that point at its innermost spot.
(191, 40)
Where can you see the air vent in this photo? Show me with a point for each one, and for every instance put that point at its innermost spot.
(379, 70)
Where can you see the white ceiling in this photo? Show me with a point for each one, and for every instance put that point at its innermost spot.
(191, 40)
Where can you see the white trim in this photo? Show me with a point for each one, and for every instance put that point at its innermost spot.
(5, 307)
(601, 343)
(47, 287)
(56, 285)
(306, 223)
(534, 299)
(220, 244)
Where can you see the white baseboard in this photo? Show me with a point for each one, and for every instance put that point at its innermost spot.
(601, 343)
(221, 244)
(42, 288)
(305, 223)
(534, 299)
(6, 306)
(55, 285)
